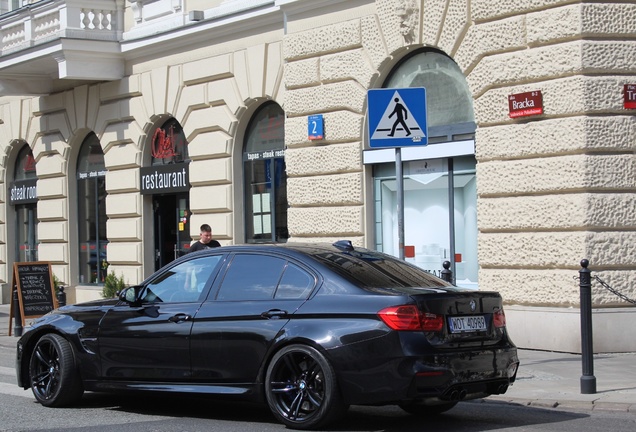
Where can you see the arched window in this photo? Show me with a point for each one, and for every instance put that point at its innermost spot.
(169, 144)
(23, 196)
(439, 180)
(166, 179)
(448, 100)
(265, 177)
(91, 211)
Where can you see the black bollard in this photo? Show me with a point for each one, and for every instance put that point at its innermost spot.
(61, 297)
(447, 275)
(588, 380)
(17, 328)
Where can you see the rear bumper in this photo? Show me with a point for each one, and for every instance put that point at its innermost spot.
(441, 376)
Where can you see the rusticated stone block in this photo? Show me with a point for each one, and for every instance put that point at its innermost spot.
(325, 190)
(324, 159)
(558, 174)
(333, 38)
(326, 221)
(555, 137)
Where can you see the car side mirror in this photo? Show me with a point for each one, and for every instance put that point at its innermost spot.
(129, 295)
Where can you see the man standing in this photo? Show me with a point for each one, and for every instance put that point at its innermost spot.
(205, 240)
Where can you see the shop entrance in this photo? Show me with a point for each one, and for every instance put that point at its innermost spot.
(171, 227)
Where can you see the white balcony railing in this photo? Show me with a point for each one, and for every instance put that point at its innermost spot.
(47, 20)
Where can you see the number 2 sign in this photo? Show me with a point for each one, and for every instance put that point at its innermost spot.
(315, 127)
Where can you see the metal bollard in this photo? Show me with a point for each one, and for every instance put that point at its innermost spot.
(588, 380)
(447, 275)
(17, 328)
(61, 297)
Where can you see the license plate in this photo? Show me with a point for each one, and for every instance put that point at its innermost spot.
(467, 324)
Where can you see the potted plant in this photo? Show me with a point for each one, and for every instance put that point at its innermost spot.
(112, 285)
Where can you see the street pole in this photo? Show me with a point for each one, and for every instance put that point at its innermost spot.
(588, 380)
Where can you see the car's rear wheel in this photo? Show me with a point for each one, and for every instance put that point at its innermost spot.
(55, 380)
(420, 409)
(301, 388)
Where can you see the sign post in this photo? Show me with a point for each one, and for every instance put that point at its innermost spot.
(397, 118)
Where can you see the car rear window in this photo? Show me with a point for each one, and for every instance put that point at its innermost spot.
(371, 269)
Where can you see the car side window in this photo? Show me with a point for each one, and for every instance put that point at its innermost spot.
(263, 277)
(182, 283)
(251, 277)
(296, 283)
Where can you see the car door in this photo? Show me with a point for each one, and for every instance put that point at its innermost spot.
(235, 328)
(150, 340)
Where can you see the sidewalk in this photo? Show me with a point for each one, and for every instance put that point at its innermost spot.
(545, 379)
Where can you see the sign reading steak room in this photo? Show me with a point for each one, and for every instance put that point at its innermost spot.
(23, 192)
(169, 178)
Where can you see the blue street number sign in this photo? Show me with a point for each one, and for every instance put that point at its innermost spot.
(397, 117)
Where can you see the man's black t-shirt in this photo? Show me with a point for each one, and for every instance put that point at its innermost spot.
(200, 246)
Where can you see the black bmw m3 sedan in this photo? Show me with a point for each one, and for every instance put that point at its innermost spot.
(307, 329)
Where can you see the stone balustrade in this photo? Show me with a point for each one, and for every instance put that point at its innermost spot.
(47, 20)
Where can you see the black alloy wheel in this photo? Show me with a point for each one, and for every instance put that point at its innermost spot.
(55, 380)
(301, 388)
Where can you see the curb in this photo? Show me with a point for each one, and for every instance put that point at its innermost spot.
(567, 404)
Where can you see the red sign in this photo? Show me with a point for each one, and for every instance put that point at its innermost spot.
(525, 104)
(629, 94)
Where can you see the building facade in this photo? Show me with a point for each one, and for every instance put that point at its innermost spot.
(125, 125)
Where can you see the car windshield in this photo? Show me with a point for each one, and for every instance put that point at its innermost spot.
(370, 269)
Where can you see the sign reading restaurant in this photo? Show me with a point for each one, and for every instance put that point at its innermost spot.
(169, 178)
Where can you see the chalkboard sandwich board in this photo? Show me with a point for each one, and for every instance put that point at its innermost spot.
(33, 282)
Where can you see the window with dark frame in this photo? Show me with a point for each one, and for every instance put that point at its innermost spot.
(91, 212)
(265, 177)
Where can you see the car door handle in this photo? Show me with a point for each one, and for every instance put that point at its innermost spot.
(181, 317)
(274, 313)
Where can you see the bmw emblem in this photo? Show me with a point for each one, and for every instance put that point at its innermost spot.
(473, 305)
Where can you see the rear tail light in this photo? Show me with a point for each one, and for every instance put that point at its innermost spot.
(408, 317)
(499, 318)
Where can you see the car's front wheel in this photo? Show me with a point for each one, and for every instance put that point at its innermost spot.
(55, 380)
(301, 388)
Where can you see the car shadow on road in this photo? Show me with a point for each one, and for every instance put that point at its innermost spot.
(474, 416)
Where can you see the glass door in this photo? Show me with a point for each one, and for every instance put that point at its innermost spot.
(172, 227)
(440, 217)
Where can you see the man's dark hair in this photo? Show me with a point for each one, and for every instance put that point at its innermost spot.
(206, 228)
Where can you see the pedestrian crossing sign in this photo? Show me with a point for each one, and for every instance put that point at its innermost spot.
(397, 117)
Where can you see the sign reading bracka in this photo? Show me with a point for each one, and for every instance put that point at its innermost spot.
(525, 104)
(168, 178)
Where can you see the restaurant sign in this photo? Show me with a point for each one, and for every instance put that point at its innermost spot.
(169, 178)
(23, 192)
(525, 104)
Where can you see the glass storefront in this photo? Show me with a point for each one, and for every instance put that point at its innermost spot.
(436, 229)
(439, 186)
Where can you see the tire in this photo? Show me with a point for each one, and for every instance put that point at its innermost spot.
(423, 410)
(301, 388)
(55, 380)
